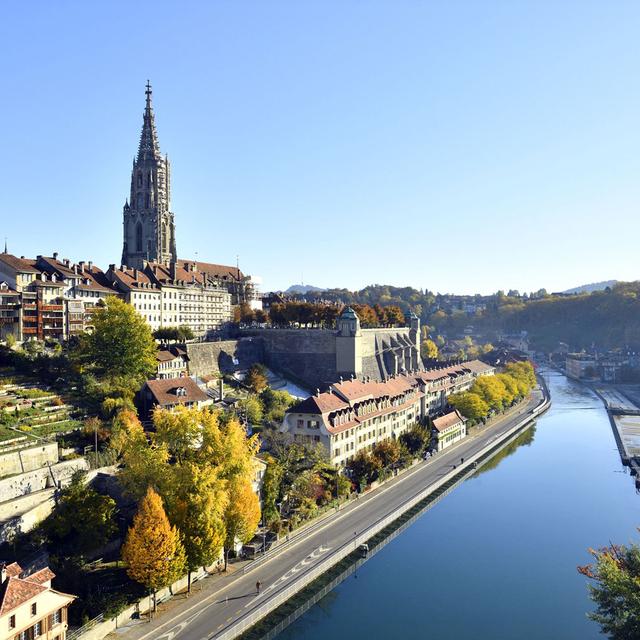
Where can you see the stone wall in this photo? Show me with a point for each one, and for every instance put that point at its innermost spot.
(226, 356)
(39, 479)
(28, 459)
(305, 356)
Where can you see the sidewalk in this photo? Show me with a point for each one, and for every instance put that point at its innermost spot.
(207, 589)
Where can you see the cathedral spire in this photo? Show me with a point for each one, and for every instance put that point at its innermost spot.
(149, 147)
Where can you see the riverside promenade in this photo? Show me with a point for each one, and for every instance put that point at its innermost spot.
(223, 607)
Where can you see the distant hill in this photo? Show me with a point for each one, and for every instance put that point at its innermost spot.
(594, 286)
(303, 289)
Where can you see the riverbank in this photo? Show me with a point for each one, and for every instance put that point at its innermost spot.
(496, 560)
(217, 612)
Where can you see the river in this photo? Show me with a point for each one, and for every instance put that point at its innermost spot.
(497, 558)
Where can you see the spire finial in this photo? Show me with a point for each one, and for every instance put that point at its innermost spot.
(148, 93)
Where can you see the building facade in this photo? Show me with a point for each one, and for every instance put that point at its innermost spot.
(356, 414)
(29, 607)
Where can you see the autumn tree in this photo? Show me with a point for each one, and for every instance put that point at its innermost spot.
(197, 508)
(615, 590)
(364, 468)
(180, 430)
(256, 378)
(252, 408)
(387, 452)
(153, 551)
(271, 485)
(429, 350)
(242, 514)
(470, 405)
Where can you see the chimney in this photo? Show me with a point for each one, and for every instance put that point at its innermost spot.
(135, 274)
(3, 568)
(90, 265)
(221, 388)
(55, 255)
(81, 265)
(317, 393)
(66, 262)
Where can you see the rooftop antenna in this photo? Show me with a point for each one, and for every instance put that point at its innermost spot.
(5, 244)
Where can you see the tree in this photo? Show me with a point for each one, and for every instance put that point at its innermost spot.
(82, 520)
(252, 406)
(416, 439)
(121, 346)
(470, 405)
(275, 404)
(364, 468)
(256, 378)
(185, 332)
(271, 485)
(387, 452)
(616, 592)
(198, 511)
(179, 430)
(429, 350)
(153, 551)
(242, 514)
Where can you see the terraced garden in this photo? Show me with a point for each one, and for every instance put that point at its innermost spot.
(29, 409)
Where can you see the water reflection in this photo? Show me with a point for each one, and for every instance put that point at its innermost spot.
(525, 439)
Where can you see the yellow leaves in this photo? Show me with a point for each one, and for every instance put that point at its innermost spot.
(153, 551)
(243, 511)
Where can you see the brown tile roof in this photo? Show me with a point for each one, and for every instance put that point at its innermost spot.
(42, 576)
(13, 570)
(165, 391)
(447, 420)
(323, 403)
(15, 591)
(19, 264)
(214, 270)
(134, 278)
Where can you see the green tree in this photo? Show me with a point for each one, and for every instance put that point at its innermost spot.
(271, 484)
(121, 345)
(275, 404)
(153, 551)
(616, 590)
(252, 406)
(416, 439)
(364, 468)
(82, 520)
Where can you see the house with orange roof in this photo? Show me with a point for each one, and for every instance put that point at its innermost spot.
(29, 606)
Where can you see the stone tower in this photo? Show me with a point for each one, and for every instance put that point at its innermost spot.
(148, 227)
(349, 344)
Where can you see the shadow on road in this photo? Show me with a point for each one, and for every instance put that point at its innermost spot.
(245, 595)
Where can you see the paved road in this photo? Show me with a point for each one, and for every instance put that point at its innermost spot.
(235, 599)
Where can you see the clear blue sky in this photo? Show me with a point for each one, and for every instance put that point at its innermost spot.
(455, 146)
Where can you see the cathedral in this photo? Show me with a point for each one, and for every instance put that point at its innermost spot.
(148, 226)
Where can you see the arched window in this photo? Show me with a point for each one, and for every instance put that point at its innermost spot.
(139, 178)
(147, 201)
(140, 200)
(149, 179)
(139, 236)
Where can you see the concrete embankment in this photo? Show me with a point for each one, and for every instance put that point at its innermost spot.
(376, 533)
(624, 416)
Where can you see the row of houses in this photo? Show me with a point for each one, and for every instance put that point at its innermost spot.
(356, 414)
(48, 298)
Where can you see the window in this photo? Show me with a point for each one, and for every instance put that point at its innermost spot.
(56, 617)
(300, 424)
(139, 237)
(34, 608)
(37, 630)
(12, 622)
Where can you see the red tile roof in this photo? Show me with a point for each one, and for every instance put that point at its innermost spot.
(447, 420)
(214, 270)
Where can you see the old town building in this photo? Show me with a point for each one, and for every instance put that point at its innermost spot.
(354, 415)
(29, 607)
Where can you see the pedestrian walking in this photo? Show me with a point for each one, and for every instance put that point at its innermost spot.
(258, 585)
(461, 460)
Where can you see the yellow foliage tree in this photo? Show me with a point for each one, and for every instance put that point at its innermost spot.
(153, 551)
(242, 514)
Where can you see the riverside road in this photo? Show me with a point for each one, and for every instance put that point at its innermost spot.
(236, 598)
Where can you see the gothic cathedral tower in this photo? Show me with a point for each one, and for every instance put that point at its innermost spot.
(148, 227)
